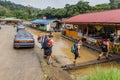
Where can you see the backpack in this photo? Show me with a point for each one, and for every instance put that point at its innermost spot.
(74, 48)
(45, 44)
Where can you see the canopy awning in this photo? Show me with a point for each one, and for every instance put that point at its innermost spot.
(42, 21)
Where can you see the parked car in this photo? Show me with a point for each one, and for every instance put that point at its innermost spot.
(20, 26)
(23, 39)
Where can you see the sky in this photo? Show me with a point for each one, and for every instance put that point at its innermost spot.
(42, 4)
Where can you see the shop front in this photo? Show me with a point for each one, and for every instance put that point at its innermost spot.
(94, 34)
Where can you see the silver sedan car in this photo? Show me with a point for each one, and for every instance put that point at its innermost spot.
(20, 26)
(23, 39)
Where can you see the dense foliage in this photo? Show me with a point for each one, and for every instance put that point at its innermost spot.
(9, 9)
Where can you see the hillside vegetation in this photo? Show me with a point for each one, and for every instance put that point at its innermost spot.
(10, 9)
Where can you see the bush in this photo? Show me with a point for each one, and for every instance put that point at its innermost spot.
(112, 74)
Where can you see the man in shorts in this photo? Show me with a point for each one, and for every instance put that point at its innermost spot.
(105, 49)
(48, 50)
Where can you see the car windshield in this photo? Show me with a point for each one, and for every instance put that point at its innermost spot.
(23, 33)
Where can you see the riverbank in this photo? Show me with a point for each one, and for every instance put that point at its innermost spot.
(61, 52)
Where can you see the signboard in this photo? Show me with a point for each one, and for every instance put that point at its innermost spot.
(98, 27)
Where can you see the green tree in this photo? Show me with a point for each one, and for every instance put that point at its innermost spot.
(19, 14)
(119, 6)
(113, 6)
(3, 11)
(67, 7)
(102, 7)
(83, 7)
(60, 13)
(73, 10)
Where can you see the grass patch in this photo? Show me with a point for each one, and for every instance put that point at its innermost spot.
(98, 74)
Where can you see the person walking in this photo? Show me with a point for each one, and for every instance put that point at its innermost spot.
(47, 46)
(48, 49)
(105, 49)
(76, 51)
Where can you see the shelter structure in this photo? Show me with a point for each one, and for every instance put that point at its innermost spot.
(93, 27)
(11, 20)
(46, 24)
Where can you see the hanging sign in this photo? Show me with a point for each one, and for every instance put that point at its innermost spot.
(98, 27)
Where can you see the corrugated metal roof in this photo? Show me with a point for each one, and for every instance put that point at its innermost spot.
(110, 16)
(41, 21)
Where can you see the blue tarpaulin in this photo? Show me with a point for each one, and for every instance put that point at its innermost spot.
(41, 21)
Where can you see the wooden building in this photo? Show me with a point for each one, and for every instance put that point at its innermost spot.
(93, 27)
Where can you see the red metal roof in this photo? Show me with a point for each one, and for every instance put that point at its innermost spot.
(110, 16)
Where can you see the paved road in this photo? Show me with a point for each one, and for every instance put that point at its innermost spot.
(17, 64)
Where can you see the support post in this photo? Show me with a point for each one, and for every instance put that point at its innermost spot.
(87, 34)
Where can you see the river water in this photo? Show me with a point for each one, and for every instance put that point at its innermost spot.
(63, 46)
